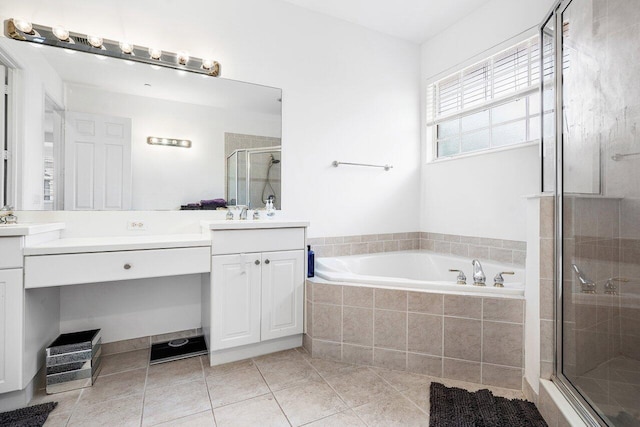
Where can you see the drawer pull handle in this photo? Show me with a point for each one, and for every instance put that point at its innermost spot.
(267, 261)
(257, 262)
(127, 266)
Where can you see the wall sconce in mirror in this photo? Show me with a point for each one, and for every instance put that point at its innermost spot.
(170, 142)
(59, 36)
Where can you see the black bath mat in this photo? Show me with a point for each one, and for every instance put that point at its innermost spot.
(33, 416)
(455, 407)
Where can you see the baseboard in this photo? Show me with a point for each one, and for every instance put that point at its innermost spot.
(252, 350)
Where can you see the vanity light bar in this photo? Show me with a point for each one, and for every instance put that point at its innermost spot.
(58, 36)
(171, 142)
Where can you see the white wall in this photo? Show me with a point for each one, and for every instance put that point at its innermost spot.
(481, 195)
(348, 94)
(167, 177)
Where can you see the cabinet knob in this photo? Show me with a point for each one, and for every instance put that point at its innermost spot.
(267, 261)
(127, 266)
(257, 262)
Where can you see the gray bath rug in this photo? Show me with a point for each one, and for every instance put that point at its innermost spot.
(455, 407)
(33, 416)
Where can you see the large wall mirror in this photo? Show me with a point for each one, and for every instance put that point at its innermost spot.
(91, 132)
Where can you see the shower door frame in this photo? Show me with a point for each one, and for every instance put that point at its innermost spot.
(589, 415)
(249, 151)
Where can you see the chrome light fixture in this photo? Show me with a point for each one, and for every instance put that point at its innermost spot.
(22, 30)
(171, 142)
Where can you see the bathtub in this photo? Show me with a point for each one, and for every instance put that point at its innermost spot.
(418, 270)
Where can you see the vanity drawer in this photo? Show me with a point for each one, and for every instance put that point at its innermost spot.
(11, 250)
(260, 240)
(72, 269)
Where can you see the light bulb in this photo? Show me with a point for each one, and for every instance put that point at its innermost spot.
(208, 64)
(126, 48)
(183, 58)
(155, 53)
(95, 41)
(24, 26)
(61, 33)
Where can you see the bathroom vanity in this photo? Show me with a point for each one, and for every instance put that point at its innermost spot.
(252, 273)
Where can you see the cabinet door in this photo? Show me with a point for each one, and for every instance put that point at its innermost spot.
(235, 300)
(11, 329)
(282, 293)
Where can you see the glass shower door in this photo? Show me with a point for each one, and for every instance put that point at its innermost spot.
(599, 189)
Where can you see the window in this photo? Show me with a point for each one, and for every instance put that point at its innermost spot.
(491, 104)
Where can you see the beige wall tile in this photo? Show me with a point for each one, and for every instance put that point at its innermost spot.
(390, 359)
(478, 252)
(327, 294)
(405, 245)
(389, 329)
(333, 240)
(470, 240)
(389, 299)
(519, 257)
(424, 334)
(369, 237)
(547, 215)
(352, 239)
(375, 247)
(327, 350)
(357, 354)
(427, 245)
(315, 241)
(452, 238)
(400, 236)
(359, 248)
(388, 236)
(460, 249)
(442, 247)
(503, 310)
(436, 236)
(463, 306)
(357, 296)
(494, 243)
(546, 340)
(462, 338)
(391, 246)
(502, 344)
(425, 302)
(324, 251)
(424, 364)
(461, 370)
(502, 376)
(514, 244)
(501, 255)
(327, 322)
(546, 258)
(342, 249)
(357, 326)
(547, 296)
(126, 345)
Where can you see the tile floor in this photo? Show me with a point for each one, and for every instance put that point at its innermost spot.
(280, 389)
(614, 387)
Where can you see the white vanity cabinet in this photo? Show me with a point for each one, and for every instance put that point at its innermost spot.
(253, 303)
(11, 328)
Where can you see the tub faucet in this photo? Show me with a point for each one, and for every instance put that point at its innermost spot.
(479, 278)
(587, 286)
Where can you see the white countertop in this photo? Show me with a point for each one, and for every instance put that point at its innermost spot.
(119, 243)
(28, 229)
(249, 224)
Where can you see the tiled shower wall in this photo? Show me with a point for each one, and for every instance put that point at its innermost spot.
(468, 338)
(507, 251)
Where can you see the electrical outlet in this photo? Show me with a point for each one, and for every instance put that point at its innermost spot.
(136, 225)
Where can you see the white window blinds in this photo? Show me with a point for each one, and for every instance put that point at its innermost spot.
(510, 72)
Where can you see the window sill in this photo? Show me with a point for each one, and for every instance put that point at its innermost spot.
(484, 152)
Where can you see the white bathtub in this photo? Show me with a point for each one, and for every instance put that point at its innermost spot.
(418, 270)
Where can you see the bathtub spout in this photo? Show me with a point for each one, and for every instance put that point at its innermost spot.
(479, 278)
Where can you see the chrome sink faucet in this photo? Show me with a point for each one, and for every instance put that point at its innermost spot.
(479, 278)
(7, 216)
(243, 213)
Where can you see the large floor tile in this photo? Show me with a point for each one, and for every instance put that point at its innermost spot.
(402, 380)
(419, 396)
(329, 368)
(57, 420)
(260, 411)
(275, 358)
(288, 373)
(180, 371)
(309, 402)
(210, 371)
(123, 362)
(202, 419)
(343, 419)
(66, 401)
(359, 387)
(236, 386)
(114, 387)
(173, 402)
(396, 411)
(117, 412)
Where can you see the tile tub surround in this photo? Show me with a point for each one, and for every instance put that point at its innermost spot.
(469, 338)
(288, 388)
(507, 251)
